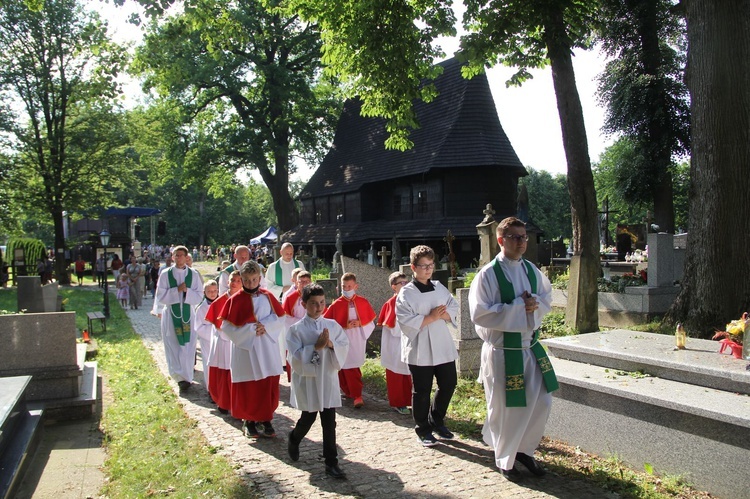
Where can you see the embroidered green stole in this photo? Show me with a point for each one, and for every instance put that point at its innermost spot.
(279, 276)
(180, 312)
(515, 389)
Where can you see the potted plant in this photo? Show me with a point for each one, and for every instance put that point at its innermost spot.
(733, 336)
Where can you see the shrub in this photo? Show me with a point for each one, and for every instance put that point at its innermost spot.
(34, 249)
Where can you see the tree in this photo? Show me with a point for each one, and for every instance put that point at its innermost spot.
(716, 287)
(57, 77)
(256, 73)
(550, 206)
(647, 102)
(383, 50)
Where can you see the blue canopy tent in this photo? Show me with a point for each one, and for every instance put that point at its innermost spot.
(268, 236)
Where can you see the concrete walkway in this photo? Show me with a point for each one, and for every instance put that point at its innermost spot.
(378, 450)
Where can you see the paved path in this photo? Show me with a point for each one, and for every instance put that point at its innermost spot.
(378, 450)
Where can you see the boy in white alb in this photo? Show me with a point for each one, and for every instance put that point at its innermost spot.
(397, 375)
(253, 320)
(202, 327)
(293, 306)
(317, 350)
(423, 307)
(356, 316)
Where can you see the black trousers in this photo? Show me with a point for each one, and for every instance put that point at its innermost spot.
(328, 422)
(426, 415)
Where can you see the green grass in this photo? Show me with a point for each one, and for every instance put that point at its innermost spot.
(153, 448)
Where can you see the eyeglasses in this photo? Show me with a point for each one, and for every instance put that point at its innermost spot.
(401, 283)
(518, 238)
(426, 266)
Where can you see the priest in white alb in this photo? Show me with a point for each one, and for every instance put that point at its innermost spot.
(279, 273)
(507, 300)
(179, 290)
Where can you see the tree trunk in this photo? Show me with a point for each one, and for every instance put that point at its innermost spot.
(716, 286)
(61, 266)
(585, 315)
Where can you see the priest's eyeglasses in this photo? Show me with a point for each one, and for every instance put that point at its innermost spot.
(517, 238)
(426, 266)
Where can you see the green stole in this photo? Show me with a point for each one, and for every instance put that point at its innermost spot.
(180, 311)
(515, 390)
(279, 275)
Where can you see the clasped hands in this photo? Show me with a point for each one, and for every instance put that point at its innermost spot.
(323, 341)
(440, 312)
(530, 302)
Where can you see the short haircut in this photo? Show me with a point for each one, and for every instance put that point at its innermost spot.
(507, 223)
(312, 290)
(209, 283)
(303, 273)
(234, 273)
(181, 248)
(250, 267)
(421, 251)
(349, 276)
(285, 246)
(295, 272)
(241, 248)
(395, 276)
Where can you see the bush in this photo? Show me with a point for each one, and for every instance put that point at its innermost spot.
(553, 325)
(34, 249)
(561, 281)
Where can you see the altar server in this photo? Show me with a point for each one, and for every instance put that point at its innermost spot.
(254, 320)
(317, 350)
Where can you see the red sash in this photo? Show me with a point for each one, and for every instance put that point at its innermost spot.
(290, 301)
(388, 313)
(339, 310)
(212, 315)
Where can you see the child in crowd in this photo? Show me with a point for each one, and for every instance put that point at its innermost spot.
(422, 309)
(123, 290)
(201, 327)
(397, 375)
(254, 321)
(220, 351)
(295, 273)
(317, 350)
(356, 316)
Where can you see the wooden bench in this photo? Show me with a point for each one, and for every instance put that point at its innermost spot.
(92, 316)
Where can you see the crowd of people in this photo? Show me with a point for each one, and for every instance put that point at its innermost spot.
(255, 326)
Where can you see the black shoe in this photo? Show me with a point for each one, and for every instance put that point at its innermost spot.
(292, 448)
(334, 471)
(268, 430)
(512, 474)
(530, 464)
(223, 411)
(184, 385)
(443, 432)
(427, 440)
(249, 429)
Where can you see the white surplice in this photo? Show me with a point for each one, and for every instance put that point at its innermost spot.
(202, 328)
(315, 387)
(390, 350)
(223, 278)
(357, 340)
(256, 357)
(510, 429)
(433, 344)
(180, 358)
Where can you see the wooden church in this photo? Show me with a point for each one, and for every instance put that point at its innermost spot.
(461, 161)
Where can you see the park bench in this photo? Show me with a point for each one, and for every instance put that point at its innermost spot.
(93, 316)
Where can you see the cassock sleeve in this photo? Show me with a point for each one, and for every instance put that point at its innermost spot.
(201, 326)
(340, 346)
(242, 336)
(194, 294)
(451, 305)
(298, 354)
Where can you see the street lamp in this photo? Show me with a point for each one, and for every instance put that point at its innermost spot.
(104, 239)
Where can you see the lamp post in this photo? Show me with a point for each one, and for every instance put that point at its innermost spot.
(104, 239)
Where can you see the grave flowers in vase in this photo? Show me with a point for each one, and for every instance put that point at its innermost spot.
(733, 336)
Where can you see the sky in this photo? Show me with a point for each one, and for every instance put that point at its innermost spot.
(528, 113)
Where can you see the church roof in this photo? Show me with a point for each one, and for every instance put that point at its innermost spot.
(460, 128)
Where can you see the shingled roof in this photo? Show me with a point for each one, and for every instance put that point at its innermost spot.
(456, 130)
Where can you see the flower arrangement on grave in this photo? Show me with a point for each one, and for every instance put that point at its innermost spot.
(733, 335)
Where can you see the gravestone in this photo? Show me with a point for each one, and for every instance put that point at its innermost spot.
(362, 256)
(396, 252)
(486, 229)
(371, 260)
(384, 254)
(35, 298)
(330, 286)
(468, 344)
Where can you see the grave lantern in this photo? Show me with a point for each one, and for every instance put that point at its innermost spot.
(104, 239)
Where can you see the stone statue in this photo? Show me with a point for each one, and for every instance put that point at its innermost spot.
(396, 254)
(339, 252)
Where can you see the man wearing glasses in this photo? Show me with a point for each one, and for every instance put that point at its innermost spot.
(507, 300)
